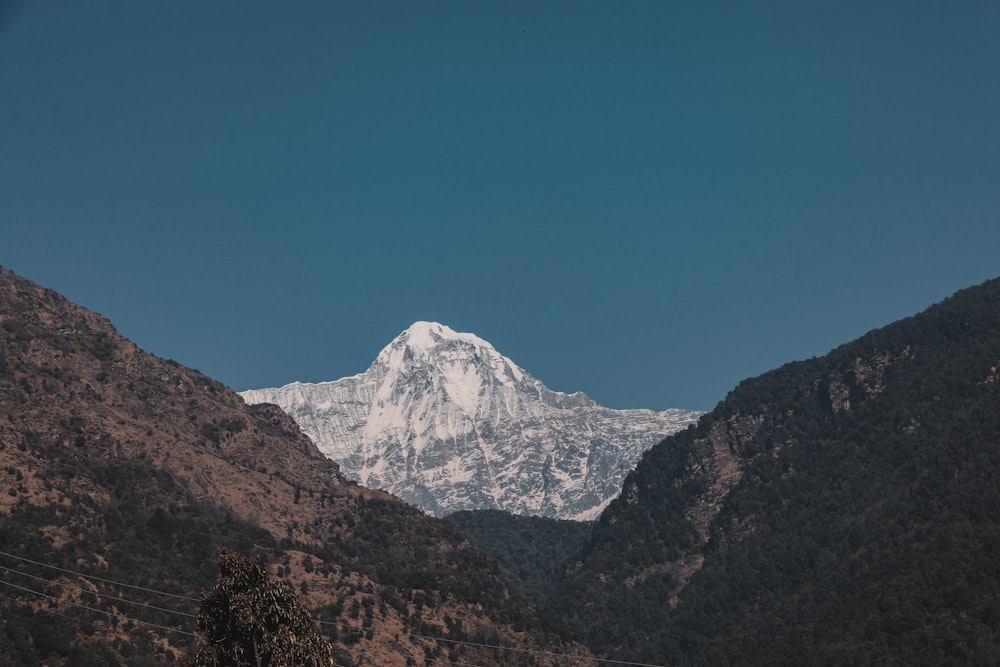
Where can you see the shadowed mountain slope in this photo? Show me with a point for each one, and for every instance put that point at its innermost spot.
(840, 510)
(128, 468)
(533, 551)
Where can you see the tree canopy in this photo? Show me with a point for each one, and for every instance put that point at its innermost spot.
(250, 620)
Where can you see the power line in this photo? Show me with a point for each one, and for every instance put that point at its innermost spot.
(387, 651)
(91, 623)
(101, 611)
(427, 659)
(106, 581)
(102, 595)
(551, 654)
(47, 611)
(342, 624)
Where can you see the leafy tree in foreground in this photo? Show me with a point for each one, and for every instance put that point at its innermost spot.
(251, 621)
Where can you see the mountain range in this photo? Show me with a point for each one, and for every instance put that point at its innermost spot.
(839, 510)
(447, 423)
(843, 509)
(121, 474)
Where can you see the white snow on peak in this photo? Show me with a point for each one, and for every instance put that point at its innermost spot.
(426, 335)
(462, 358)
(423, 338)
(445, 421)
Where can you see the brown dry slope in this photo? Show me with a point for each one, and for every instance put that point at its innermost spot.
(125, 467)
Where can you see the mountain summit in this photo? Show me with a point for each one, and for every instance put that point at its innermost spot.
(444, 421)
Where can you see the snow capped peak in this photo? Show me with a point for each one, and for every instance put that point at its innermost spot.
(440, 348)
(446, 422)
(424, 337)
(430, 362)
(428, 334)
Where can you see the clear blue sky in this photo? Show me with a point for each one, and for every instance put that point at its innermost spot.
(644, 201)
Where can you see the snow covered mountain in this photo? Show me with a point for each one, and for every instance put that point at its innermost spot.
(444, 421)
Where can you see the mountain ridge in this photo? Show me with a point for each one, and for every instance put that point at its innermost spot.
(841, 509)
(444, 421)
(122, 466)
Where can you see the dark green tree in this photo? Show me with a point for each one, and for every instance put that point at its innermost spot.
(248, 620)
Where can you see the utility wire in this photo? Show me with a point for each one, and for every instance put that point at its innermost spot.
(106, 581)
(101, 595)
(36, 605)
(398, 651)
(101, 611)
(342, 624)
(425, 659)
(47, 611)
(550, 654)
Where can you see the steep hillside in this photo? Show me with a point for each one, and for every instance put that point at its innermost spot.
(841, 510)
(444, 421)
(117, 466)
(532, 551)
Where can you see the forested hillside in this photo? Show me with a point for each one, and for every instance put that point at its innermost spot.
(121, 474)
(532, 551)
(840, 510)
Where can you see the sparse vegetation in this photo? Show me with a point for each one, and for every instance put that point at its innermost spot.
(142, 482)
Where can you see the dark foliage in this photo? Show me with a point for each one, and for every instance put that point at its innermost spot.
(532, 551)
(861, 525)
(251, 621)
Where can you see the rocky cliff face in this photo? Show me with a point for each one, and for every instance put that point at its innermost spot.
(444, 421)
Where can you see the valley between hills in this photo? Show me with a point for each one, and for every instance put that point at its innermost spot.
(837, 510)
